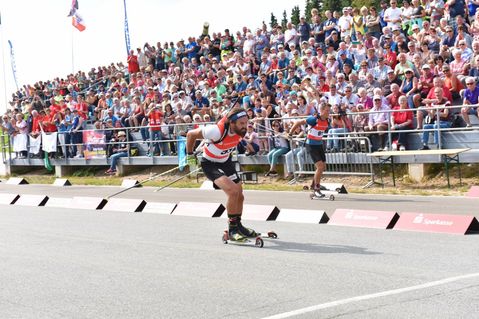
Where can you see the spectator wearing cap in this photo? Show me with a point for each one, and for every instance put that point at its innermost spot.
(378, 122)
(471, 97)
(120, 148)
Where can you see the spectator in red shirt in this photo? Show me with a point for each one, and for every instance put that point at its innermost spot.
(37, 120)
(401, 121)
(48, 122)
(155, 116)
(393, 98)
(133, 65)
(82, 107)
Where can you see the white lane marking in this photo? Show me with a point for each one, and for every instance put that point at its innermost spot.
(370, 296)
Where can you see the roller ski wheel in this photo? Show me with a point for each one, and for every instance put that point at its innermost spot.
(259, 242)
(305, 188)
(272, 235)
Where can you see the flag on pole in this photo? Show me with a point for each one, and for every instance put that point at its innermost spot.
(127, 32)
(12, 60)
(77, 20)
(73, 8)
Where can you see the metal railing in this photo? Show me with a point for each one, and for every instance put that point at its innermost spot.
(6, 149)
(350, 160)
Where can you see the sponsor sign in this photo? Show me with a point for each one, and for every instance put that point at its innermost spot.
(364, 218)
(438, 223)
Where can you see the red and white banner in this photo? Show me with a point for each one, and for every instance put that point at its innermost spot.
(363, 218)
(437, 223)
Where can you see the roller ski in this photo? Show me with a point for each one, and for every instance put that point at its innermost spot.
(319, 194)
(237, 238)
(238, 234)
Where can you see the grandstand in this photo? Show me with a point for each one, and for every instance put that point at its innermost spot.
(393, 76)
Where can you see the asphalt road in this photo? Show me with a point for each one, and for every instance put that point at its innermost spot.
(69, 263)
(424, 204)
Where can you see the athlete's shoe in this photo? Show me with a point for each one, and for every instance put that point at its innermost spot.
(248, 232)
(318, 193)
(235, 235)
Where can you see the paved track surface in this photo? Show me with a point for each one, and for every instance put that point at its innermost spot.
(425, 204)
(59, 263)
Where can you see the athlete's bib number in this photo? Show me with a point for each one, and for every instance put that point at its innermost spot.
(227, 151)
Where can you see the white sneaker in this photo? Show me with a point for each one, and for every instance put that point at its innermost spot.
(386, 148)
(78, 156)
(394, 147)
(402, 148)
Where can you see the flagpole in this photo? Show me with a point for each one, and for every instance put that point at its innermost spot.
(73, 56)
(3, 66)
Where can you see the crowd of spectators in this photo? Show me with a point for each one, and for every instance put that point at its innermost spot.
(411, 58)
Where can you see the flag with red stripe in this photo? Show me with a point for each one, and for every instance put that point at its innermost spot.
(77, 20)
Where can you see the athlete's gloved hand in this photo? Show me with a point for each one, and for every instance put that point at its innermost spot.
(191, 160)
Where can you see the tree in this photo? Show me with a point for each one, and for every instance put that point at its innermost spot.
(335, 5)
(366, 3)
(307, 10)
(315, 4)
(295, 15)
(284, 21)
(273, 21)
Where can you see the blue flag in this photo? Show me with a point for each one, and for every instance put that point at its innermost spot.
(181, 152)
(12, 60)
(127, 32)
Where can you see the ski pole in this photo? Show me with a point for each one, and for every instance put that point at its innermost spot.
(144, 181)
(176, 180)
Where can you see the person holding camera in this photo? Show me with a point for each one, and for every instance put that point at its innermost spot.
(339, 128)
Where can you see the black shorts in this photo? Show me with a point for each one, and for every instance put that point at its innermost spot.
(214, 170)
(316, 152)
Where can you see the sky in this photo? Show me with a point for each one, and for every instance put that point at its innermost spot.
(43, 38)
